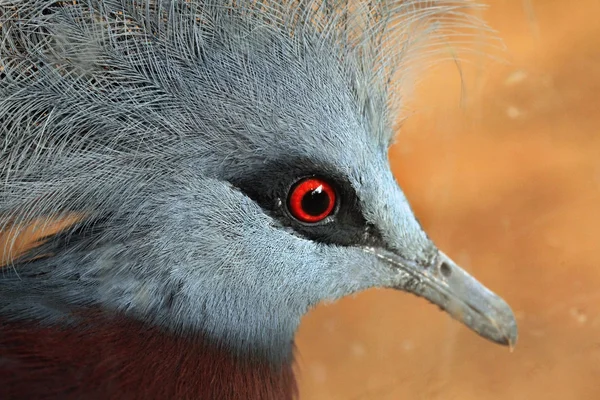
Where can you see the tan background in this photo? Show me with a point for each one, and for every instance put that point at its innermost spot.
(508, 184)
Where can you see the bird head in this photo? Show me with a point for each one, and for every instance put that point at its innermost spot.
(230, 161)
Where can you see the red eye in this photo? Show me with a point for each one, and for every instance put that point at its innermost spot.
(311, 200)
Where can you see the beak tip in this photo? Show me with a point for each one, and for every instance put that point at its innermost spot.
(512, 336)
(509, 333)
(509, 340)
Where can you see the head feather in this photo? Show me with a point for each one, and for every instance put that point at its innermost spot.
(98, 97)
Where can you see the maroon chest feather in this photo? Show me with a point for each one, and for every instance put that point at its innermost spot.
(122, 359)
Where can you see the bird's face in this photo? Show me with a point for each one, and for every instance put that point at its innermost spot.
(325, 219)
(289, 206)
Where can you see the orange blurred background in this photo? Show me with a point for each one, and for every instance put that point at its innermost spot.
(502, 168)
(508, 184)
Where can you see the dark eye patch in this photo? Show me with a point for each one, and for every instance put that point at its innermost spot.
(270, 186)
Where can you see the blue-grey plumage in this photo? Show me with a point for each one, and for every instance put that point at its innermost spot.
(178, 128)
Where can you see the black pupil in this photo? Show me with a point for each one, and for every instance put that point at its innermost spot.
(315, 202)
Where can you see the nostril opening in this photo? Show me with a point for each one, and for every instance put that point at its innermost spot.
(445, 269)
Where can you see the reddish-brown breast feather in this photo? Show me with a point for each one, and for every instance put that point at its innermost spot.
(116, 358)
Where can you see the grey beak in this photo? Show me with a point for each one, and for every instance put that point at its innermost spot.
(455, 291)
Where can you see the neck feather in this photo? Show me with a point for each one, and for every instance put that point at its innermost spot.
(117, 358)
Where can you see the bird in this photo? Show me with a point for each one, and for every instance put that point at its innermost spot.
(225, 163)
